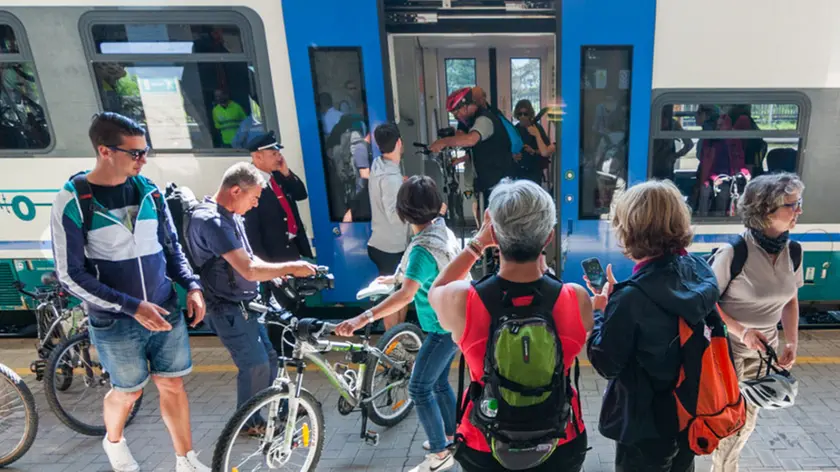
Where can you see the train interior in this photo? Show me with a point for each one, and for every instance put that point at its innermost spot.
(425, 69)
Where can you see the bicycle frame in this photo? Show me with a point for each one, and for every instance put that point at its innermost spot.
(306, 352)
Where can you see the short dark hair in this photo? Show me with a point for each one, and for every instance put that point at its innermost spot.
(109, 129)
(386, 137)
(418, 200)
(325, 100)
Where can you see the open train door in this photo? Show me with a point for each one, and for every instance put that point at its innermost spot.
(336, 55)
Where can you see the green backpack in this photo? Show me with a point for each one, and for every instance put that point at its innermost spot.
(524, 405)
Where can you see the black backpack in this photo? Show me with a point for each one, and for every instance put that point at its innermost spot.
(739, 257)
(182, 203)
(525, 402)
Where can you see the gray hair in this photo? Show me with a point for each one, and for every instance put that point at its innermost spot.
(764, 195)
(243, 175)
(523, 216)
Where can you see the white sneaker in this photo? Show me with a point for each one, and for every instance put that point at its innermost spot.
(119, 456)
(433, 463)
(190, 463)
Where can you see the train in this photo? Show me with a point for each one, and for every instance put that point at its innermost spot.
(627, 84)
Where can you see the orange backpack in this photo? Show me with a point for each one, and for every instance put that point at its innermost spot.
(708, 400)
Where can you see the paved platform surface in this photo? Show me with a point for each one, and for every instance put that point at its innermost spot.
(804, 437)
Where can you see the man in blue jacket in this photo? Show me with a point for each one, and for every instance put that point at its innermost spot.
(115, 249)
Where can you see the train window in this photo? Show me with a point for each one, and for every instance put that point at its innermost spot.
(23, 119)
(167, 39)
(525, 74)
(710, 148)
(194, 85)
(604, 127)
(459, 73)
(338, 82)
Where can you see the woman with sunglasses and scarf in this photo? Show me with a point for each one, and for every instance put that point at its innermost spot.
(763, 292)
(537, 150)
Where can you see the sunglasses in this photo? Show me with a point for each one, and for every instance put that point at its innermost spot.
(136, 154)
(523, 113)
(797, 205)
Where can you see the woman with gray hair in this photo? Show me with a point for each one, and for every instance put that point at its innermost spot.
(520, 221)
(759, 276)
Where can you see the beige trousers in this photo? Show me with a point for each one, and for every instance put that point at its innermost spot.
(747, 365)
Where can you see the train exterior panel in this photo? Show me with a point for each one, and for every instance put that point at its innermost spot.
(632, 77)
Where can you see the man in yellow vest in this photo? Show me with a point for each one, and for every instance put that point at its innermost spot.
(227, 115)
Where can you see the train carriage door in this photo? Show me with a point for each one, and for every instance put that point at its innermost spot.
(336, 55)
(606, 63)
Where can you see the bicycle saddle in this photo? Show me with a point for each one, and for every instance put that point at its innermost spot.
(374, 289)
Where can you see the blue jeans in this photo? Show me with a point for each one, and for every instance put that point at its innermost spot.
(248, 344)
(130, 353)
(430, 390)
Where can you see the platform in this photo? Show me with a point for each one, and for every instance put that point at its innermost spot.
(805, 437)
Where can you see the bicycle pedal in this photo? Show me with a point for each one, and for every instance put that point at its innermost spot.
(372, 438)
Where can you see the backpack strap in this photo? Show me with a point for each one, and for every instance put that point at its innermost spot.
(84, 195)
(461, 406)
(739, 259)
(795, 254)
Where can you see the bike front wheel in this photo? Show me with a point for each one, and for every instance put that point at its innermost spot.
(401, 344)
(244, 444)
(18, 417)
(79, 406)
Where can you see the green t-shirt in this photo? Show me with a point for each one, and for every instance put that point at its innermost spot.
(422, 268)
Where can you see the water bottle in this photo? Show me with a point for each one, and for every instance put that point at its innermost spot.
(489, 407)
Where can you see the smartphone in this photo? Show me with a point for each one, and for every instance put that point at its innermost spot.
(594, 272)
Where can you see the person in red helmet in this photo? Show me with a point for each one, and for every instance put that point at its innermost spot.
(487, 137)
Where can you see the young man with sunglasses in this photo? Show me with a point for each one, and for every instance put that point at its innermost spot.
(115, 249)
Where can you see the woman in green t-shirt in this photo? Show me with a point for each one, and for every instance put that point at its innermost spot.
(431, 249)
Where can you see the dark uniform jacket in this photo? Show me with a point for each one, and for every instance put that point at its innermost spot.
(267, 227)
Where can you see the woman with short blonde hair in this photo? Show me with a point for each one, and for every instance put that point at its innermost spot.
(632, 342)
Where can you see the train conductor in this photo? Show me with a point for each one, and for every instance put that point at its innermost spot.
(274, 228)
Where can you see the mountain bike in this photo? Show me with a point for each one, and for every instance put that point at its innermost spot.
(18, 417)
(55, 322)
(293, 419)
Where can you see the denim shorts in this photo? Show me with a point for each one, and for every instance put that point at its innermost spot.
(130, 353)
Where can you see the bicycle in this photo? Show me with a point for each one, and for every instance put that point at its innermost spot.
(78, 408)
(55, 321)
(17, 408)
(391, 360)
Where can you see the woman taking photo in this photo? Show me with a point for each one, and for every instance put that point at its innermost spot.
(520, 222)
(431, 249)
(636, 324)
(537, 149)
(764, 290)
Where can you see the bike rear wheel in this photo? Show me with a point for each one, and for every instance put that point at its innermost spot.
(18, 417)
(237, 451)
(79, 407)
(401, 343)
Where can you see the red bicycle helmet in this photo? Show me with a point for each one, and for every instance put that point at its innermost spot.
(458, 99)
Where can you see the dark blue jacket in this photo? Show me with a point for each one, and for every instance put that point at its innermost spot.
(635, 343)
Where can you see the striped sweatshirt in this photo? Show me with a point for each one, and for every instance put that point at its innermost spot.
(118, 267)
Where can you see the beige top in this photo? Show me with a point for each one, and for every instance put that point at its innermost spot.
(756, 296)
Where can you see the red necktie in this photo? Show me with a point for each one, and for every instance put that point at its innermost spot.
(290, 217)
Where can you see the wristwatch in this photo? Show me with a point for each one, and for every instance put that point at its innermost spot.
(368, 316)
